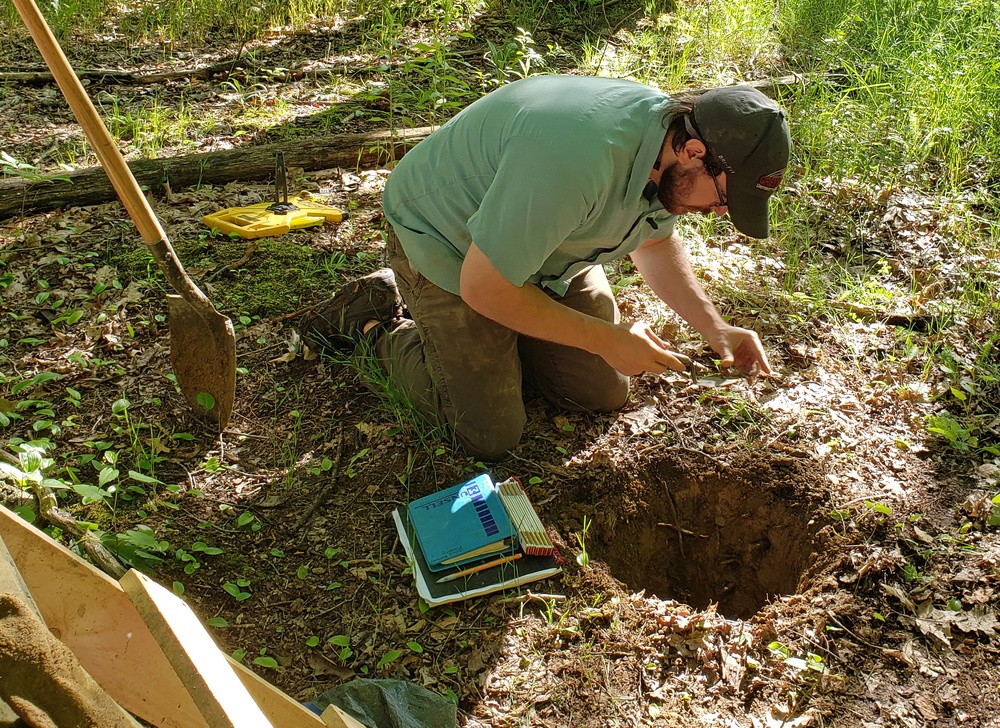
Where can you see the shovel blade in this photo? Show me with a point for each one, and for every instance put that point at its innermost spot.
(203, 357)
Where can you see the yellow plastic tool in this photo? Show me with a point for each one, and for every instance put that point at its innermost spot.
(274, 218)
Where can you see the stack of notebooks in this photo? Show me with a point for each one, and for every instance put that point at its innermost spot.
(474, 538)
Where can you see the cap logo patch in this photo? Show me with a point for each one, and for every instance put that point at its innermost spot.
(771, 182)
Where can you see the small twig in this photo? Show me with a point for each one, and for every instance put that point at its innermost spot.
(251, 249)
(531, 596)
(673, 509)
(331, 480)
(916, 321)
(685, 531)
(239, 55)
(293, 315)
(113, 76)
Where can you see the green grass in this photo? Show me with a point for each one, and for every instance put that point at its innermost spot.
(187, 20)
(921, 82)
(415, 425)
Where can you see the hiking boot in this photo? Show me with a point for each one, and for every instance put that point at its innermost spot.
(340, 321)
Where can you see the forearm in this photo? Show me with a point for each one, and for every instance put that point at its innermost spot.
(526, 309)
(667, 271)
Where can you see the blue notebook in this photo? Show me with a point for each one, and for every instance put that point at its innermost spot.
(460, 524)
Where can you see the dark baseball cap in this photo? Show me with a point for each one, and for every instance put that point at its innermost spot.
(747, 134)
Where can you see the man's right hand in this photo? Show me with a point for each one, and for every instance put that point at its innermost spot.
(634, 348)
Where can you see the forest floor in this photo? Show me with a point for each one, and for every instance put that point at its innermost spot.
(797, 550)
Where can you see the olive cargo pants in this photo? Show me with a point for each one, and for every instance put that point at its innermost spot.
(466, 371)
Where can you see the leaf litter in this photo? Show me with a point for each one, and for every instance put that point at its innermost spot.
(892, 623)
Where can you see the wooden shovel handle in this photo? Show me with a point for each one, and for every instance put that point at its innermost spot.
(111, 158)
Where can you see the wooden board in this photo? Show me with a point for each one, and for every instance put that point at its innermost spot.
(93, 616)
(218, 693)
(91, 613)
(334, 717)
(11, 581)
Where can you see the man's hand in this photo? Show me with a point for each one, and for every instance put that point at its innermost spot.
(666, 269)
(740, 348)
(635, 348)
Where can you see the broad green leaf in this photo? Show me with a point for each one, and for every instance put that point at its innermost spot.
(204, 548)
(26, 513)
(390, 656)
(143, 537)
(143, 478)
(90, 493)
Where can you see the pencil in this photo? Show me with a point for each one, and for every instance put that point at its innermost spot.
(480, 567)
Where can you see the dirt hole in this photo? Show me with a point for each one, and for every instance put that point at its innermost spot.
(737, 539)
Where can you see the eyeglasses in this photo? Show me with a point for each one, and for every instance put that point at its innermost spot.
(710, 164)
(723, 202)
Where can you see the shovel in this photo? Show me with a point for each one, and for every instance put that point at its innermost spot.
(202, 340)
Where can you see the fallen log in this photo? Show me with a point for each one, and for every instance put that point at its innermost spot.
(102, 76)
(116, 76)
(19, 196)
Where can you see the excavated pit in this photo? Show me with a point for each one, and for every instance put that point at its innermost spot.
(737, 538)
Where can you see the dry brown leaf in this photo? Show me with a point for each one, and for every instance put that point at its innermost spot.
(322, 667)
(978, 620)
(926, 707)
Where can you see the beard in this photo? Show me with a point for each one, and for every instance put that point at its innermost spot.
(676, 185)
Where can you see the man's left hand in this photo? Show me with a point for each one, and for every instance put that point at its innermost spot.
(740, 348)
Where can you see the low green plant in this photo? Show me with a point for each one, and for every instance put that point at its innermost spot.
(250, 93)
(39, 411)
(11, 167)
(235, 589)
(344, 643)
(248, 521)
(388, 658)
(880, 508)
(144, 457)
(811, 664)
(513, 59)
(958, 436)
(138, 546)
(583, 558)
(265, 660)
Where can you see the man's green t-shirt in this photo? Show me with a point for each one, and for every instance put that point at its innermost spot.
(546, 175)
